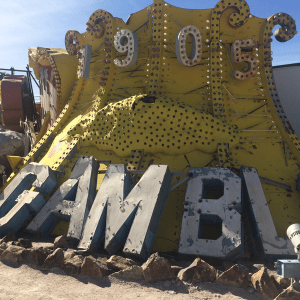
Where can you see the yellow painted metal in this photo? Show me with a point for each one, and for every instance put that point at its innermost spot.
(14, 160)
(177, 115)
(44, 127)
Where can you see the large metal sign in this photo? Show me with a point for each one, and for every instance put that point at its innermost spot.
(177, 87)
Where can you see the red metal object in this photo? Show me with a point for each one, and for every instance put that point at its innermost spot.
(13, 92)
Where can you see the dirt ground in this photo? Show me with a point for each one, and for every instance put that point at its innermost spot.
(28, 283)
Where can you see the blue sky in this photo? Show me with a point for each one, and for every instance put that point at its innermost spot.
(34, 23)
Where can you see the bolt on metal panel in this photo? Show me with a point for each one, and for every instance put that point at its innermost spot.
(201, 205)
(264, 235)
(28, 204)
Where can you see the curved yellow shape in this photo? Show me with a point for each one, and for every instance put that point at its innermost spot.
(155, 124)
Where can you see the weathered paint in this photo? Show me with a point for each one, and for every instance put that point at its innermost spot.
(45, 183)
(85, 61)
(115, 186)
(127, 217)
(202, 113)
(48, 92)
(288, 268)
(151, 192)
(229, 244)
(28, 204)
(71, 202)
(11, 95)
(45, 220)
(264, 235)
(85, 196)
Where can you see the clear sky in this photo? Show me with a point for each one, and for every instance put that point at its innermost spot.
(33, 23)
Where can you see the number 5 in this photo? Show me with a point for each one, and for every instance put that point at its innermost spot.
(238, 57)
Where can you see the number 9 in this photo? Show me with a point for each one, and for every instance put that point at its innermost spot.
(131, 48)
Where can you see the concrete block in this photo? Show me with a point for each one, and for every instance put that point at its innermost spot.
(211, 223)
(28, 204)
(264, 235)
(115, 186)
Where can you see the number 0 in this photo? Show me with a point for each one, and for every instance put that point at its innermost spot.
(181, 46)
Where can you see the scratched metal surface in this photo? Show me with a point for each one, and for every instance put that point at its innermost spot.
(205, 115)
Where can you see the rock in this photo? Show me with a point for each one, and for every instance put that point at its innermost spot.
(237, 275)
(12, 253)
(227, 265)
(54, 260)
(10, 237)
(47, 247)
(24, 243)
(132, 273)
(176, 269)
(11, 243)
(70, 253)
(289, 294)
(11, 143)
(257, 267)
(61, 242)
(219, 273)
(3, 246)
(157, 268)
(119, 263)
(102, 260)
(72, 266)
(94, 268)
(198, 271)
(283, 283)
(264, 284)
(34, 256)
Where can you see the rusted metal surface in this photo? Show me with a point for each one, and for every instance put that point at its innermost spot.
(12, 102)
(48, 91)
(211, 224)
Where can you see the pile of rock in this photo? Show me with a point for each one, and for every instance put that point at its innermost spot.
(58, 255)
(11, 143)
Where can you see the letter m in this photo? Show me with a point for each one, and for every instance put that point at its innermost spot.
(120, 216)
